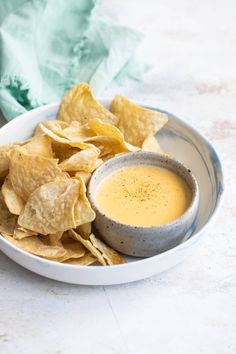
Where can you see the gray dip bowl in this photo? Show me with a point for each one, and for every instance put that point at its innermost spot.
(144, 241)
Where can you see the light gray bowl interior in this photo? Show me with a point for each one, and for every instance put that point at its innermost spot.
(194, 151)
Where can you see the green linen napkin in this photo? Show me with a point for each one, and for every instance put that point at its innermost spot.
(47, 46)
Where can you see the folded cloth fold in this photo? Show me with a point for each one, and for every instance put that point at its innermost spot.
(47, 46)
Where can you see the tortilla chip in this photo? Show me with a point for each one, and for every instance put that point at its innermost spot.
(63, 151)
(28, 172)
(110, 255)
(85, 230)
(54, 125)
(21, 232)
(88, 244)
(57, 206)
(99, 162)
(8, 221)
(73, 250)
(106, 145)
(79, 105)
(83, 213)
(135, 122)
(76, 131)
(73, 131)
(110, 131)
(51, 207)
(104, 254)
(40, 145)
(84, 160)
(85, 176)
(13, 201)
(151, 144)
(76, 142)
(109, 156)
(34, 245)
(55, 239)
(86, 260)
(4, 158)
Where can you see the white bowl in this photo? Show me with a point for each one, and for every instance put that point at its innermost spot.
(186, 145)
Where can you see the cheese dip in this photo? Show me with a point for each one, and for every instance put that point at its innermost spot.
(143, 195)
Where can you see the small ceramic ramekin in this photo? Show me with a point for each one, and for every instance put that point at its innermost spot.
(144, 241)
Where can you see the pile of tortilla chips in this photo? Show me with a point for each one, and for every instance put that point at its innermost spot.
(44, 209)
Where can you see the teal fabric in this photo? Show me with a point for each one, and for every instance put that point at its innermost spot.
(47, 46)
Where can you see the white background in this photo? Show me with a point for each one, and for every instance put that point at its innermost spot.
(190, 309)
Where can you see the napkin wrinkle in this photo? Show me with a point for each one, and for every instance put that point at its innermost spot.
(48, 46)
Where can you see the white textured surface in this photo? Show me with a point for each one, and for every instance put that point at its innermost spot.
(192, 308)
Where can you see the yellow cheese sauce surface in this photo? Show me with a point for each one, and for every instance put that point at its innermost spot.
(143, 195)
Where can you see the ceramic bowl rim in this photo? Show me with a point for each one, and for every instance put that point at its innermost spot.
(43, 110)
(158, 228)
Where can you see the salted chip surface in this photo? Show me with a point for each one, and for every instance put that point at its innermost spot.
(8, 221)
(73, 142)
(109, 156)
(51, 207)
(76, 131)
(72, 131)
(85, 230)
(40, 145)
(21, 232)
(84, 160)
(73, 250)
(55, 239)
(106, 145)
(90, 247)
(104, 254)
(54, 125)
(13, 201)
(63, 151)
(83, 213)
(28, 172)
(110, 131)
(34, 245)
(86, 260)
(4, 158)
(151, 144)
(110, 255)
(85, 176)
(135, 122)
(80, 105)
